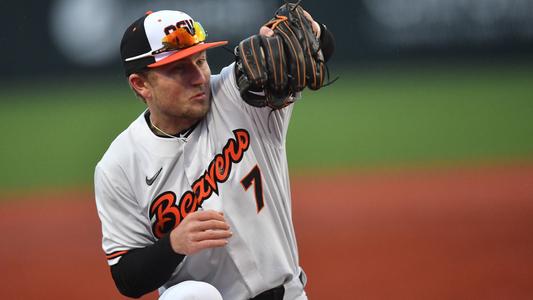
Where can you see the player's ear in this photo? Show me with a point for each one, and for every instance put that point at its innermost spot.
(139, 84)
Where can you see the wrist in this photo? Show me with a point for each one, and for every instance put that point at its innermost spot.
(173, 244)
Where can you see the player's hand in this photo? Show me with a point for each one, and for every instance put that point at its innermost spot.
(200, 230)
(314, 24)
(316, 28)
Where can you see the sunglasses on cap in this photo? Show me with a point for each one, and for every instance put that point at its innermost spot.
(178, 39)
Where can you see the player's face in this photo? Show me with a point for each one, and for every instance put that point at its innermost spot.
(181, 90)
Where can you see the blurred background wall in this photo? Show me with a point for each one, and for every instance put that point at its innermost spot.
(59, 37)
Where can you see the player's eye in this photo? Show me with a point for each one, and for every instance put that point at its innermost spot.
(201, 61)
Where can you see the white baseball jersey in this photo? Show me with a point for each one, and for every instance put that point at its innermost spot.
(233, 161)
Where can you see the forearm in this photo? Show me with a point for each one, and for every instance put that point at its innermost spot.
(144, 270)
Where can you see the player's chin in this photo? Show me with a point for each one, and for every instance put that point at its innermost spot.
(199, 109)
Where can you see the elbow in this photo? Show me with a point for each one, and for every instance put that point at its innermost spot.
(124, 288)
(130, 293)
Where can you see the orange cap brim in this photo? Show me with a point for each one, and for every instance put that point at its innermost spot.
(181, 54)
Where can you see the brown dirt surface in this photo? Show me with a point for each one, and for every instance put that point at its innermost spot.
(419, 234)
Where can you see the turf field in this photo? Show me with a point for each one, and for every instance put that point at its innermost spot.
(393, 116)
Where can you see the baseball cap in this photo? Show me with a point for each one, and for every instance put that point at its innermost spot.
(162, 37)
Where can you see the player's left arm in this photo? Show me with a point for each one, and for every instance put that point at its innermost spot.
(271, 122)
(289, 54)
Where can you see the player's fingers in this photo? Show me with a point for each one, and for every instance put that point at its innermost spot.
(210, 225)
(206, 244)
(212, 235)
(266, 31)
(314, 24)
(307, 15)
(204, 215)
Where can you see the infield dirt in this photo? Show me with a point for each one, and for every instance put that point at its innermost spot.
(421, 234)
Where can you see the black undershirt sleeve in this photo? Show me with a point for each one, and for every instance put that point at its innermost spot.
(327, 42)
(143, 270)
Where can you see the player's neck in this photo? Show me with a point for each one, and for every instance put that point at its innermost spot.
(162, 126)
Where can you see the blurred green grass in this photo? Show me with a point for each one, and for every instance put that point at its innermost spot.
(406, 116)
(55, 132)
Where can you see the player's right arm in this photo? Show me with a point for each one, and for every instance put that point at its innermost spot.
(198, 231)
(143, 270)
(142, 265)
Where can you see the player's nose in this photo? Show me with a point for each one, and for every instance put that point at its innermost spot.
(197, 75)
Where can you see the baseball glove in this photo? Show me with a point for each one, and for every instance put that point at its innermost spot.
(271, 70)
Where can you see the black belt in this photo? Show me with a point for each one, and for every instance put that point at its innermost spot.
(272, 294)
(275, 293)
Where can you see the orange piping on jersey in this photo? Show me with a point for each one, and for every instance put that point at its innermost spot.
(115, 254)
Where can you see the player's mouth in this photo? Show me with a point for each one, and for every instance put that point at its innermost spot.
(199, 97)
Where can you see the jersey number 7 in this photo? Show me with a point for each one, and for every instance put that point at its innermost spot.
(254, 178)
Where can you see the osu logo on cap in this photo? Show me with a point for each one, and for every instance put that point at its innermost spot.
(186, 24)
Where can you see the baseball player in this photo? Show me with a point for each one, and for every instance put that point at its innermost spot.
(194, 196)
